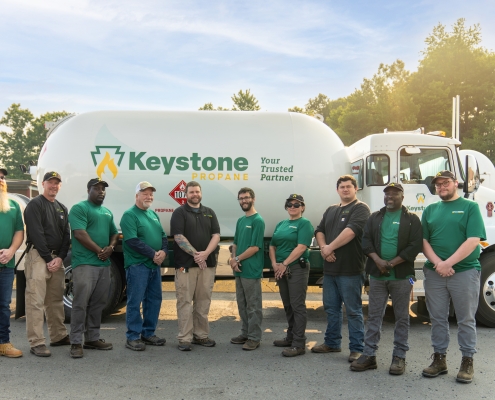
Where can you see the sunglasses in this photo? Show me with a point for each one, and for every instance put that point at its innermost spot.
(2, 178)
(293, 205)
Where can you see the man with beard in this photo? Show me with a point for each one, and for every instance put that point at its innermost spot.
(392, 239)
(452, 230)
(48, 233)
(247, 263)
(145, 249)
(11, 238)
(196, 233)
(94, 236)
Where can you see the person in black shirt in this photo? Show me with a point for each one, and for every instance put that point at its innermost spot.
(339, 237)
(48, 233)
(196, 233)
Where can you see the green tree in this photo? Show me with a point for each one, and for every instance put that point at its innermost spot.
(245, 101)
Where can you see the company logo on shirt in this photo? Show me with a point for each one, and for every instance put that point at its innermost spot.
(395, 223)
(457, 212)
(292, 226)
(248, 226)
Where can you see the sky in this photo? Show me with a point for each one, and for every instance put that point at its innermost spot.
(87, 55)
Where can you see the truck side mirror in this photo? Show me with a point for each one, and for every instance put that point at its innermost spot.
(472, 174)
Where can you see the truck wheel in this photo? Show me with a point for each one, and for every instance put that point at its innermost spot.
(114, 293)
(486, 305)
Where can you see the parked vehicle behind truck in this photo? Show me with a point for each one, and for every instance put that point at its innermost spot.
(286, 153)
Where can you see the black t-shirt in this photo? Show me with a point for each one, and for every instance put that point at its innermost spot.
(197, 226)
(349, 258)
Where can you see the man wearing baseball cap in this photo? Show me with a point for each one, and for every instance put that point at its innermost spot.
(48, 237)
(392, 239)
(452, 230)
(94, 236)
(11, 239)
(145, 249)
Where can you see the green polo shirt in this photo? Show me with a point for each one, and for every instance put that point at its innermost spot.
(97, 221)
(11, 222)
(249, 232)
(288, 234)
(143, 225)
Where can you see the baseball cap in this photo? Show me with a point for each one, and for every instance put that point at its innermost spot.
(443, 174)
(297, 197)
(95, 181)
(4, 171)
(52, 175)
(144, 185)
(394, 185)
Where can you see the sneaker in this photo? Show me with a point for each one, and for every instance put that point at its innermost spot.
(76, 351)
(99, 344)
(8, 350)
(62, 342)
(353, 356)
(398, 366)
(185, 346)
(466, 371)
(40, 351)
(153, 340)
(239, 340)
(323, 348)
(363, 363)
(285, 342)
(136, 345)
(437, 367)
(251, 345)
(206, 342)
(293, 351)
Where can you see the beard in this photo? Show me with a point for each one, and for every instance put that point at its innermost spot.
(447, 196)
(246, 207)
(4, 198)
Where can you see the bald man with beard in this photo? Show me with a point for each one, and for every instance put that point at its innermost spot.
(11, 237)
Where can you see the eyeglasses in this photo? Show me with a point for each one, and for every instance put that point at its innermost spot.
(444, 184)
(293, 205)
(241, 199)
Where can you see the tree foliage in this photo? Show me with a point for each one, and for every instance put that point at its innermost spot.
(25, 139)
(243, 101)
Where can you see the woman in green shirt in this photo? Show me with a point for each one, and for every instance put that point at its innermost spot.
(289, 255)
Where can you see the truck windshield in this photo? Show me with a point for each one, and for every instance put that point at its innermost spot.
(422, 167)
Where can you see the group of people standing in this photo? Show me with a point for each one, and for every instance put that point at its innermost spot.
(348, 235)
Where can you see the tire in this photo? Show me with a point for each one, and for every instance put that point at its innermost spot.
(486, 306)
(114, 294)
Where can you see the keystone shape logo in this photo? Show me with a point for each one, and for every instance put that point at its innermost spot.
(104, 158)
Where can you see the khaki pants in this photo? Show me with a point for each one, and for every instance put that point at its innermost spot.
(44, 296)
(193, 291)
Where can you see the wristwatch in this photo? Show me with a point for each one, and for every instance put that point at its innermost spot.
(237, 259)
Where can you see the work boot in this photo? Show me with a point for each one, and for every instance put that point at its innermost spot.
(40, 351)
(239, 340)
(153, 340)
(207, 342)
(398, 366)
(466, 371)
(250, 345)
(323, 348)
(285, 342)
(293, 351)
(437, 367)
(184, 346)
(99, 344)
(76, 351)
(363, 363)
(8, 350)
(62, 342)
(353, 356)
(136, 345)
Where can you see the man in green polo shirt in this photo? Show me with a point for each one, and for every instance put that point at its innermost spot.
(247, 264)
(94, 236)
(452, 230)
(11, 237)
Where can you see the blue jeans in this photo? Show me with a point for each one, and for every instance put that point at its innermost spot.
(144, 285)
(347, 290)
(6, 281)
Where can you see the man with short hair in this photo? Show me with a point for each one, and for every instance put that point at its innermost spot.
(247, 263)
(452, 230)
(339, 237)
(11, 237)
(145, 249)
(48, 233)
(94, 236)
(392, 239)
(196, 233)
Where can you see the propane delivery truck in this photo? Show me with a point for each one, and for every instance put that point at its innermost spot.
(275, 154)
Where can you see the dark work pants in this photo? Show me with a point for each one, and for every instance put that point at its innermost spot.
(293, 294)
(91, 286)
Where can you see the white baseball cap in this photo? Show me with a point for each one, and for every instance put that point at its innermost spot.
(144, 185)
